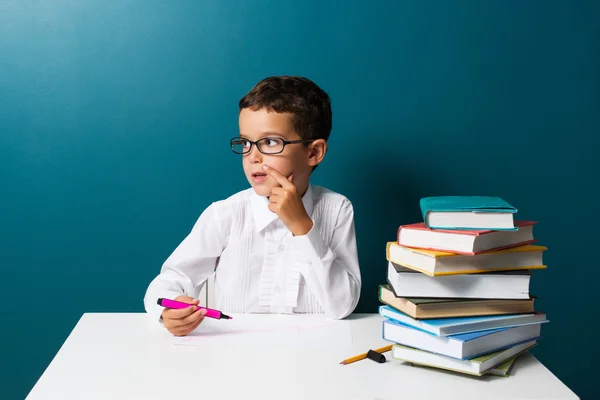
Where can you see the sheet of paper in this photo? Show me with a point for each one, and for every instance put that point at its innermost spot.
(304, 331)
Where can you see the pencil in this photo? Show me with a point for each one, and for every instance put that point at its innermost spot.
(364, 355)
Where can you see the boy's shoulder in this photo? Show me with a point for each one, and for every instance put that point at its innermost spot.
(323, 195)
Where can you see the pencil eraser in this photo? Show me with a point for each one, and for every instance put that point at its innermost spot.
(375, 356)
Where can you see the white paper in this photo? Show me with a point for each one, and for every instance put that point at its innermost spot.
(304, 331)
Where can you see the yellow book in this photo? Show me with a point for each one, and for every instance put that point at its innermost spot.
(436, 263)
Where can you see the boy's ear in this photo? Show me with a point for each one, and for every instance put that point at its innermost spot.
(316, 152)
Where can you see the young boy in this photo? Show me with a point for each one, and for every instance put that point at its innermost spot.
(282, 246)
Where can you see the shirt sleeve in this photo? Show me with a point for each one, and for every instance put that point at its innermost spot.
(186, 270)
(332, 272)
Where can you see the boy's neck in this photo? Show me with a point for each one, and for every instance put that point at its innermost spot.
(303, 192)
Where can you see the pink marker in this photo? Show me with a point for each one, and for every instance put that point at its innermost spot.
(216, 314)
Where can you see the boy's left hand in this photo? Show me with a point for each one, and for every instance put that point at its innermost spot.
(287, 204)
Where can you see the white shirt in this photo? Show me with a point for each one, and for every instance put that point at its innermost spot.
(259, 266)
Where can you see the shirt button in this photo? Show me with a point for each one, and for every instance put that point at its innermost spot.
(281, 248)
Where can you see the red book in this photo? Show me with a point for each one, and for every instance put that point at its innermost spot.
(468, 242)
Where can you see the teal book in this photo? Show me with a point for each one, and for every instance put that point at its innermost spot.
(468, 213)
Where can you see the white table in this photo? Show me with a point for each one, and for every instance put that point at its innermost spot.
(128, 356)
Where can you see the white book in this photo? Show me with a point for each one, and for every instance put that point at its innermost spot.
(406, 282)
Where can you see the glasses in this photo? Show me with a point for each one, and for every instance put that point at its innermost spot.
(268, 145)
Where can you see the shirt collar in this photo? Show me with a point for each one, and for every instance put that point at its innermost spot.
(263, 216)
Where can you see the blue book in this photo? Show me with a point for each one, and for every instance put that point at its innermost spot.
(454, 326)
(463, 346)
(468, 213)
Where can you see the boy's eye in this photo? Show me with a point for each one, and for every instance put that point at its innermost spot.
(245, 143)
(272, 142)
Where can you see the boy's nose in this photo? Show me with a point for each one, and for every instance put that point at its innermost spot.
(255, 155)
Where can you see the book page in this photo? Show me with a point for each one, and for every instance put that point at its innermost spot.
(304, 331)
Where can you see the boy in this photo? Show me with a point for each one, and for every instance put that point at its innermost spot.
(282, 246)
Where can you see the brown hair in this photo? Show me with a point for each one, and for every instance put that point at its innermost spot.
(308, 104)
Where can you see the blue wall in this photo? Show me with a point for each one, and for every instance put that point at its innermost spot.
(115, 119)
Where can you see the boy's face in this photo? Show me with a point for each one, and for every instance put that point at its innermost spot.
(294, 159)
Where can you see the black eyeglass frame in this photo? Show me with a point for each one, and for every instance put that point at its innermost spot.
(285, 143)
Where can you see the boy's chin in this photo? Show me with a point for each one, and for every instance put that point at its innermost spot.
(262, 190)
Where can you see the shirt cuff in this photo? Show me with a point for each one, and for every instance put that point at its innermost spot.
(153, 309)
(310, 246)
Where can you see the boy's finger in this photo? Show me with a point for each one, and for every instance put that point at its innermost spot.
(196, 324)
(274, 198)
(183, 330)
(180, 313)
(187, 328)
(195, 316)
(277, 191)
(282, 180)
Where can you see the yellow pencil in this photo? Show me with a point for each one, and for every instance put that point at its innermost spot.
(364, 355)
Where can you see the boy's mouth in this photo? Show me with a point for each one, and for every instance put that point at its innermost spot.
(258, 177)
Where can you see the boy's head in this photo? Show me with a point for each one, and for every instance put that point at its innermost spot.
(277, 110)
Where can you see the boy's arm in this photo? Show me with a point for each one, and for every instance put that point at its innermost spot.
(186, 270)
(332, 272)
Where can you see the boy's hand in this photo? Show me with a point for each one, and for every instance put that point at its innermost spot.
(181, 322)
(287, 204)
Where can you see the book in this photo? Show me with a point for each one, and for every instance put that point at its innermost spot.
(468, 242)
(436, 263)
(499, 370)
(406, 282)
(467, 212)
(503, 369)
(427, 308)
(462, 346)
(475, 366)
(455, 326)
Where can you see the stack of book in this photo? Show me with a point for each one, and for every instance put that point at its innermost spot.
(457, 294)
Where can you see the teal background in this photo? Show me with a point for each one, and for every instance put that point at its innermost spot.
(115, 118)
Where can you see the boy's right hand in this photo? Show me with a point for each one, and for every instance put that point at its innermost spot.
(181, 322)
